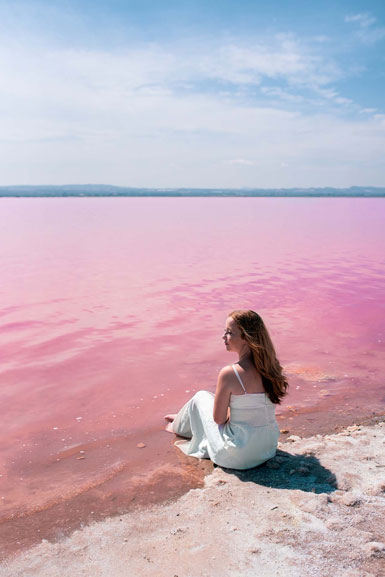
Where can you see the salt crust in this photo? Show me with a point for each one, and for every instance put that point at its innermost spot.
(325, 519)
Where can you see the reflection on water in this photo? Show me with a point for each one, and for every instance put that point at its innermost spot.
(112, 312)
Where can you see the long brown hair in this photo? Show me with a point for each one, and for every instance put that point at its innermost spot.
(256, 335)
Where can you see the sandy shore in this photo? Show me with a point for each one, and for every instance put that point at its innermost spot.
(316, 509)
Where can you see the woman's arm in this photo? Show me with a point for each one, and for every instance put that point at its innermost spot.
(222, 397)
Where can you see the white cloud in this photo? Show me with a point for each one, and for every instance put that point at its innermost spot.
(363, 19)
(70, 81)
(249, 64)
(367, 32)
(368, 110)
(332, 95)
(147, 117)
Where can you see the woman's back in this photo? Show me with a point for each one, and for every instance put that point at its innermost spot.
(245, 379)
(250, 409)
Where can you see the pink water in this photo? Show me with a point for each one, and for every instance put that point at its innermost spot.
(112, 312)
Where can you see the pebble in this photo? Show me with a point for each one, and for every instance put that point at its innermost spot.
(294, 438)
(273, 465)
(377, 489)
(141, 445)
(375, 549)
(179, 530)
(284, 431)
(334, 523)
(350, 500)
(301, 470)
(353, 428)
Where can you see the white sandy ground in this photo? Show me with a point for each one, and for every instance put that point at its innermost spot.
(284, 518)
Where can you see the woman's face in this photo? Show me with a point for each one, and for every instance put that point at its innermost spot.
(232, 336)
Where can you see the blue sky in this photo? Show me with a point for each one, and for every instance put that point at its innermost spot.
(192, 94)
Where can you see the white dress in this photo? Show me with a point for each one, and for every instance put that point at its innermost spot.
(247, 440)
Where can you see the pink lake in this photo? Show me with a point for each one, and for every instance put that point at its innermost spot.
(112, 312)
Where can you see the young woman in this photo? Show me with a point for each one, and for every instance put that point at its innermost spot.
(236, 428)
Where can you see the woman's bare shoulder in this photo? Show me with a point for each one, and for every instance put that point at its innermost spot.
(226, 372)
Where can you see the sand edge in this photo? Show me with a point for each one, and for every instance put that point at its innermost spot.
(316, 509)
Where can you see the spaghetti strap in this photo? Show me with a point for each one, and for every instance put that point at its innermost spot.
(238, 377)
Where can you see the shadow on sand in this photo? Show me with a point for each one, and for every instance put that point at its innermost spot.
(287, 471)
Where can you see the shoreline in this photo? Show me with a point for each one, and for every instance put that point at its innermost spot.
(317, 508)
(158, 474)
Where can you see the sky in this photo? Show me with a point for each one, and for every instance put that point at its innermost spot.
(212, 94)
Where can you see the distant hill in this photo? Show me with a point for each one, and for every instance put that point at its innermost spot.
(107, 190)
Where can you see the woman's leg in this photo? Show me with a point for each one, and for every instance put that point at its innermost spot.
(195, 420)
(195, 415)
(181, 424)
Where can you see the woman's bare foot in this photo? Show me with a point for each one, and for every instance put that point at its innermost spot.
(171, 417)
(169, 428)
